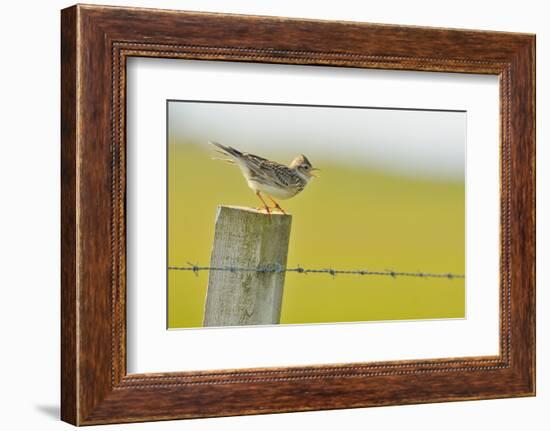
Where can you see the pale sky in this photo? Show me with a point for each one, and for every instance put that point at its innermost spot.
(407, 142)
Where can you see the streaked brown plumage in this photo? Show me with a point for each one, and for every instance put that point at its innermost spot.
(270, 178)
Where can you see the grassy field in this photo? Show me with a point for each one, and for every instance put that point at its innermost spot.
(349, 218)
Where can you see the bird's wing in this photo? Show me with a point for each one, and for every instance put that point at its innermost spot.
(266, 171)
(260, 169)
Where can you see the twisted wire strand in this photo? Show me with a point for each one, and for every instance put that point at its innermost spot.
(300, 270)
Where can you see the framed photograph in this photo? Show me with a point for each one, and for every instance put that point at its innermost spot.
(390, 179)
(263, 214)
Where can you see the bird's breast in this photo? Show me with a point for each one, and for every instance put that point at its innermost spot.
(276, 192)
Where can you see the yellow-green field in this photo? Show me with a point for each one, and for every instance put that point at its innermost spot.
(349, 218)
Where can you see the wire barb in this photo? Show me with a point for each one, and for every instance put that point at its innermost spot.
(194, 268)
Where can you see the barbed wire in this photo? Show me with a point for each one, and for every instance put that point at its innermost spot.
(300, 270)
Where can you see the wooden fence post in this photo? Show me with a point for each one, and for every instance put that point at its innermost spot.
(246, 238)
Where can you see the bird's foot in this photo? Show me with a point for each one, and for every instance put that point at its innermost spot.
(280, 209)
(274, 202)
(265, 209)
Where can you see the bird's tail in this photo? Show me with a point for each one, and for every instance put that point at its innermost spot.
(227, 151)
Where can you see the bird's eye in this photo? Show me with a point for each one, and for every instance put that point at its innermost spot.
(306, 167)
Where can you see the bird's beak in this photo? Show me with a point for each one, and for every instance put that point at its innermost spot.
(311, 172)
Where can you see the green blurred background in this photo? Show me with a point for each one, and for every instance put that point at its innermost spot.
(349, 218)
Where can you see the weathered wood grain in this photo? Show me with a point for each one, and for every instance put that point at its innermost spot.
(246, 238)
(96, 41)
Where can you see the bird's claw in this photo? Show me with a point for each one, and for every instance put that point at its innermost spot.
(265, 209)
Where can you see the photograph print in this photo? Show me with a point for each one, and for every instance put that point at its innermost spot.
(307, 214)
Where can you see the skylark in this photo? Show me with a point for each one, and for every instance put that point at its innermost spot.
(270, 178)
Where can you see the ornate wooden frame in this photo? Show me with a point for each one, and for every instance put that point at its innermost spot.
(96, 41)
